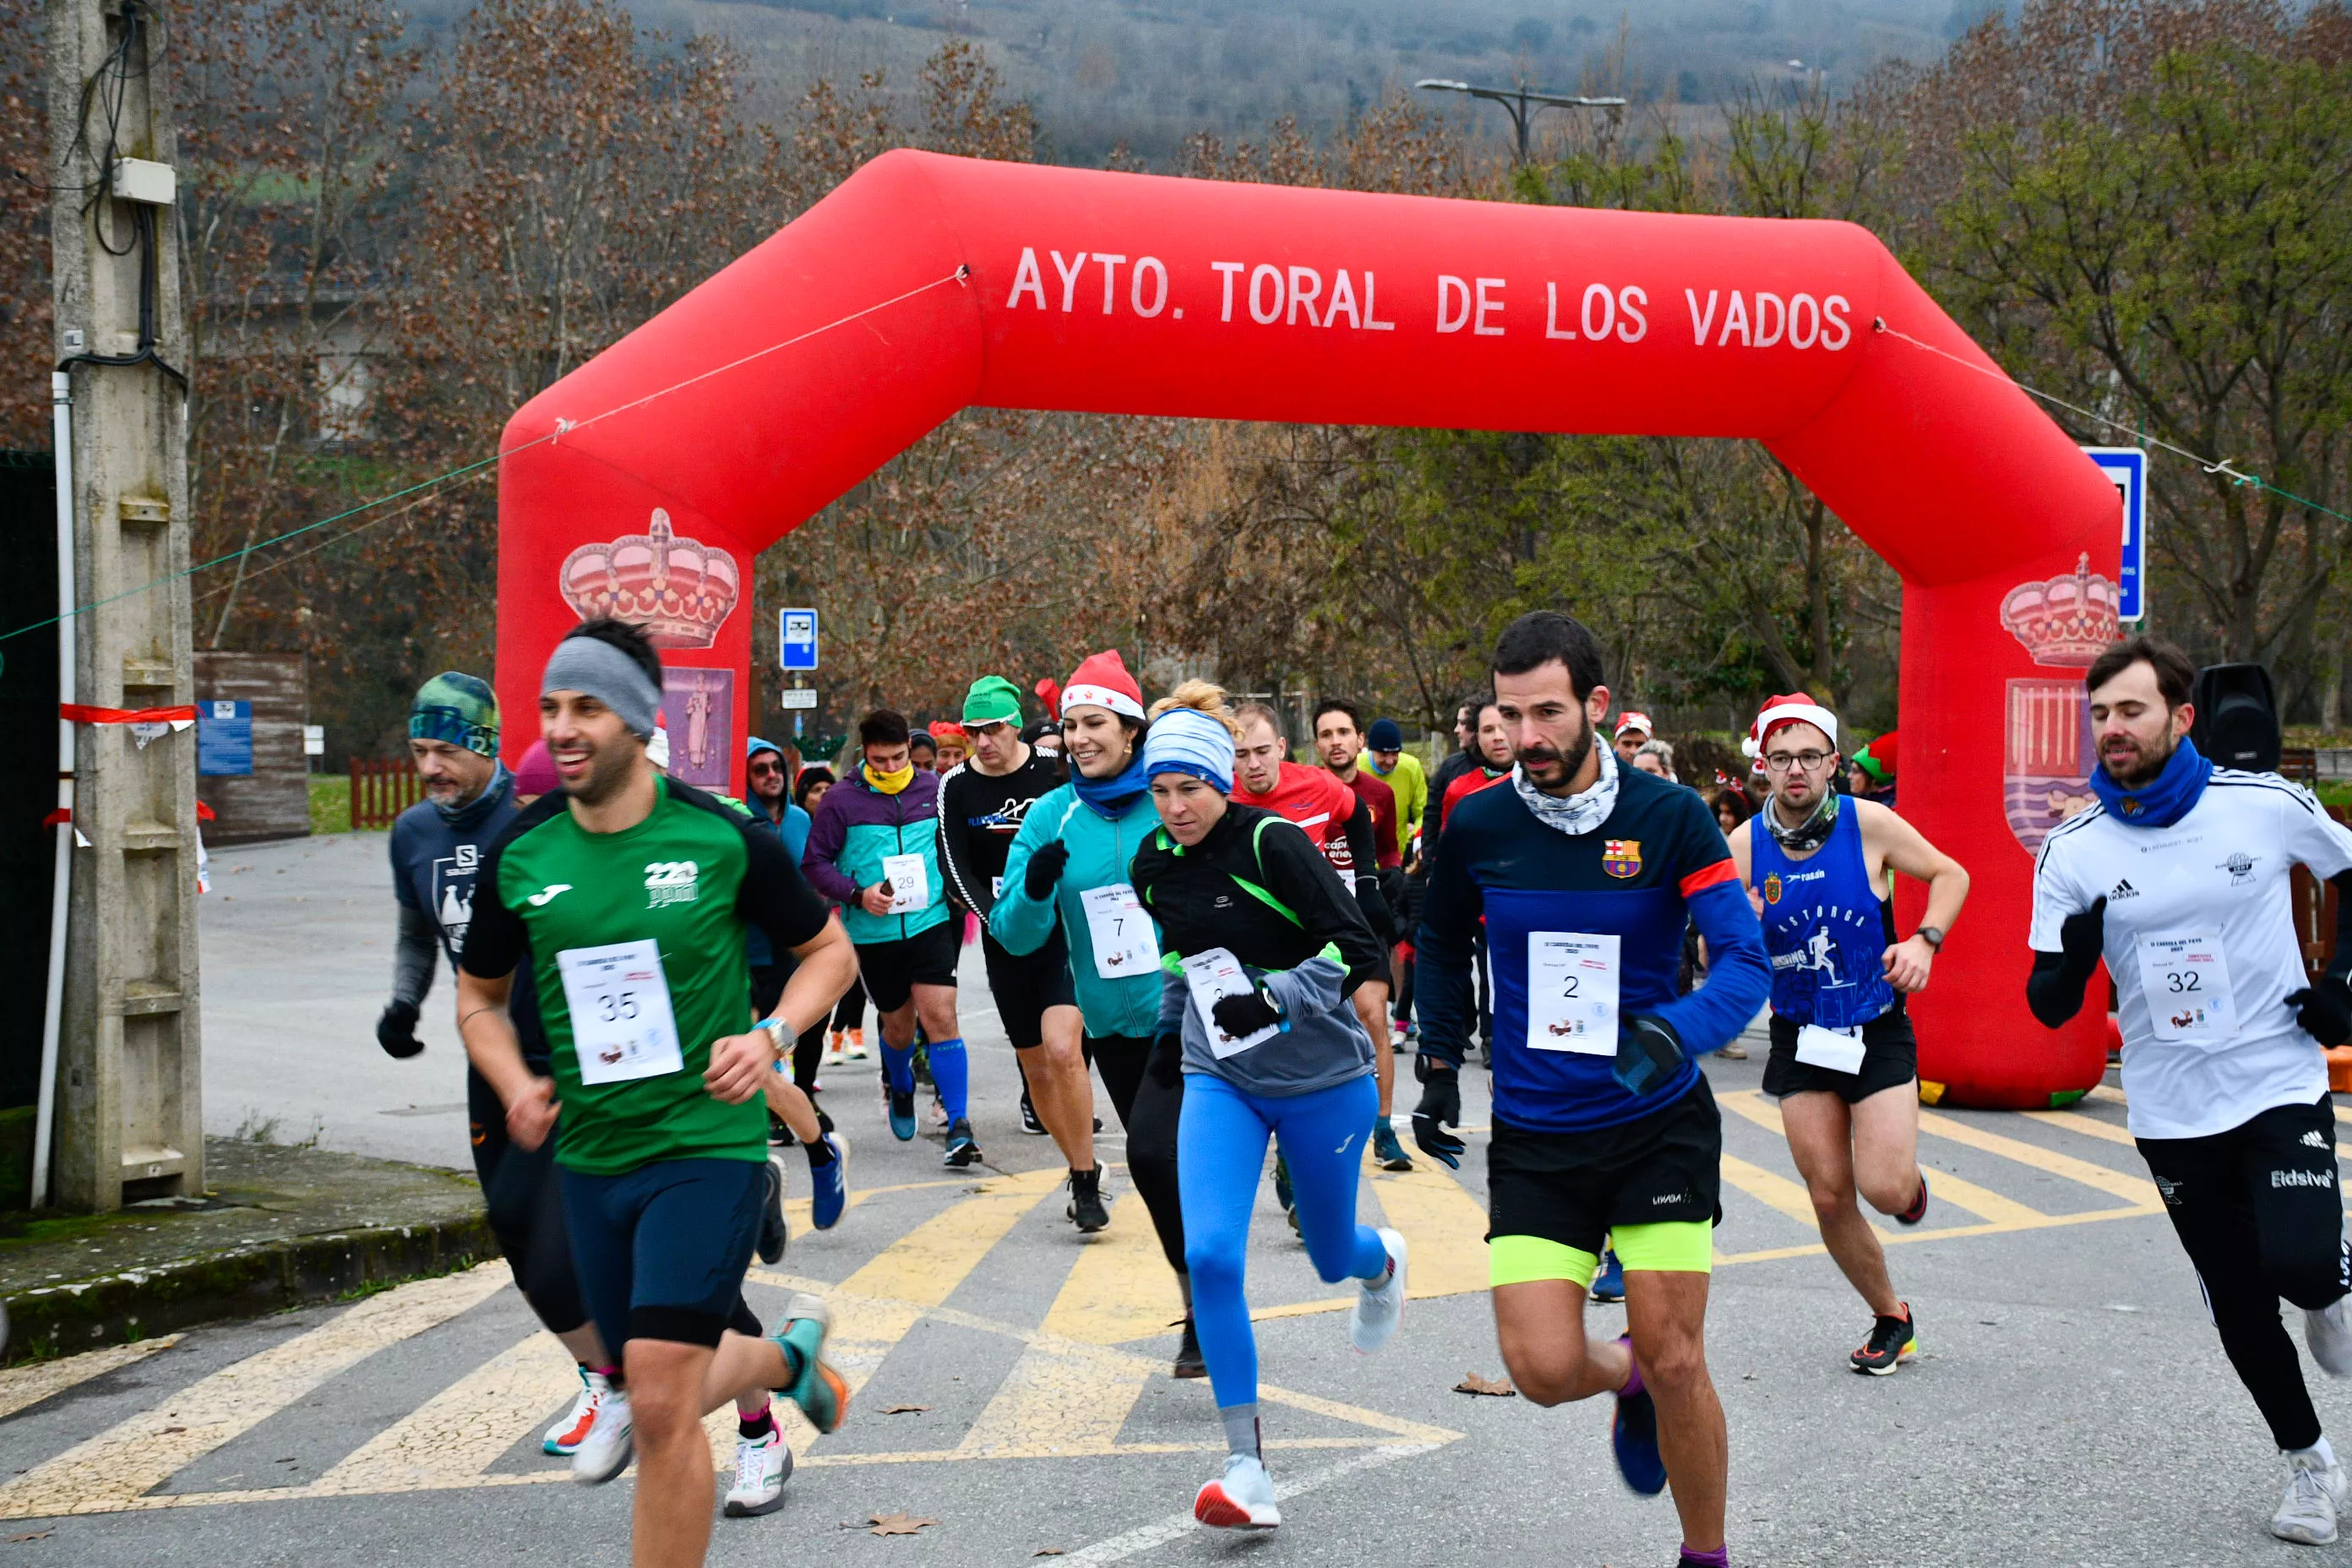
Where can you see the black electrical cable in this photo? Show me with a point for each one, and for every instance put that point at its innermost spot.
(118, 63)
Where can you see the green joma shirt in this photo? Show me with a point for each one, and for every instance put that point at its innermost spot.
(644, 929)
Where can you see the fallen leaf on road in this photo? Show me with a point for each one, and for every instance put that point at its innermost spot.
(903, 1409)
(1046, 1551)
(1496, 1388)
(897, 1524)
(36, 1535)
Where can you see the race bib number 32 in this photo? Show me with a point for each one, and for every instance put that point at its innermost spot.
(2186, 982)
(622, 1027)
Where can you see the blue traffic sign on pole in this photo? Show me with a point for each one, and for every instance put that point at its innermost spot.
(796, 640)
(2126, 469)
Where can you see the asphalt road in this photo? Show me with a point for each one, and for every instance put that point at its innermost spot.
(2070, 1406)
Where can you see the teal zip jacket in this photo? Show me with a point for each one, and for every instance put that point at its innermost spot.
(1100, 853)
(857, 825)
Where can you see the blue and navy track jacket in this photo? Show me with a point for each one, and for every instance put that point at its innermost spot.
(1658, 859)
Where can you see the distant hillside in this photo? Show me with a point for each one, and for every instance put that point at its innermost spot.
(1103, 72)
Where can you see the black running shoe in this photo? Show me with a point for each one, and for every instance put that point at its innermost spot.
(779, 1135)
(1029, 1122)
(962, 1149)
(1893, 1341)
(772, 1235)
(1918, 1209)
(1087, 1210)
(1188, 1355)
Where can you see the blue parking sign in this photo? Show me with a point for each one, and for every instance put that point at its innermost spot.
(2126, 469)
(796, 640)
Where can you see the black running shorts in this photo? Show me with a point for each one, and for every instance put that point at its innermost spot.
(1890, 1059)
(892, 970)
(1572, 1187)
(1025, 983)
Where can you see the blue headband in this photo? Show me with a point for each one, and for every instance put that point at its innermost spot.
(1187, 740)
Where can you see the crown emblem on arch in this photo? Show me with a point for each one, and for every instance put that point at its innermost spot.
(680, 590)
(2065, 621)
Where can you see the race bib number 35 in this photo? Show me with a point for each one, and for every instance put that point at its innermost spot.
(2186, 982)
(1572, 993)
(622, 1027)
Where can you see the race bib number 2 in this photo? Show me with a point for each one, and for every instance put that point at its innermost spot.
(622, 1025)
(1572, 980)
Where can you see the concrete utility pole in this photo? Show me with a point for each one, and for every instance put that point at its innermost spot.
(128, 1115)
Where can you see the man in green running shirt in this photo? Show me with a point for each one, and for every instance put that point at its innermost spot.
(631, 894)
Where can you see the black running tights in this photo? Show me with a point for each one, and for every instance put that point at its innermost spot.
(526, 1212)
(2258, 1210)
(1149, 1111)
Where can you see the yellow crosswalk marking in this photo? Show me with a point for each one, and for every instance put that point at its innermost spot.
(114, 1469)
(464, 1429)
(1121, 1287)
(2088, 1126)
(2136, 1190)
(1055, 1402)
(876, 1306)
(25, 1387)
(1445, 1229)
(1982, 1201)
(1771, 1189)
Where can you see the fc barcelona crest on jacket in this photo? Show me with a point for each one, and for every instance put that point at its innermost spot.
(1621, 857)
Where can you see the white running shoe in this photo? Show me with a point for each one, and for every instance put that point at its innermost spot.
(1241, 1498)
(833, 1049)
(1378, 1307)
(2315, 1495)
(564, 1437)
(761, 1468)
(609, 1445)
(2327, 1333)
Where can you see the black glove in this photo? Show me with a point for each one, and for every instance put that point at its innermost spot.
(2324, 1010)
(1440, 1107)
(1045, 869)
(1648, 1051)
(1241, 1017)
(2083, 938)
(396, 1030)
(1167, 1061)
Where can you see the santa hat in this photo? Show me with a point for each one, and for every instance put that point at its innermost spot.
(1796, 708)
(1103, 681)
(657, 746)
(1631, 721)
(1049, 692)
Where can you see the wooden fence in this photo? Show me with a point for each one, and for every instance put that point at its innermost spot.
(382, 791)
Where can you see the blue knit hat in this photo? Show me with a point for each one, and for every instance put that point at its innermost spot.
(457, 707)
(1187, 740)
(1385, 736)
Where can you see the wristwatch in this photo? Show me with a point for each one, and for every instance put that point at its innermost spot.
(778, 1033)
(1932, 935)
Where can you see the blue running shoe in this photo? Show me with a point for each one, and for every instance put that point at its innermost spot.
(1608, 1285)
(831, 1184)
(816, 1387)
(1634, 1434)
(902, 1116)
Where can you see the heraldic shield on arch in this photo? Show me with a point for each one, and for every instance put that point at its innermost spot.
(2046, 752)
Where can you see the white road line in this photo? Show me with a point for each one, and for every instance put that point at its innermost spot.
(1143, 1538)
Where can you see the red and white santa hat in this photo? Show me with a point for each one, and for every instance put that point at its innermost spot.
(1796, 708)
(1633, 721)
(1103, 680)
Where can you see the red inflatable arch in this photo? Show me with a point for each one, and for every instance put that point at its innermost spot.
(644, 483)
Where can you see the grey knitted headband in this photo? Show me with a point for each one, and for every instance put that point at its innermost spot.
(594, 667)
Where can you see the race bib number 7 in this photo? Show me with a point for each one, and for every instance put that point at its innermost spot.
(622, 1025)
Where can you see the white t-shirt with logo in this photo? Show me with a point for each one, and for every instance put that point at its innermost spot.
(2200, 942)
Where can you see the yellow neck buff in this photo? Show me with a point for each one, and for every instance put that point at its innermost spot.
(888, 784)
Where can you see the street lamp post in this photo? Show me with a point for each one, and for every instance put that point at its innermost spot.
(1523, 102)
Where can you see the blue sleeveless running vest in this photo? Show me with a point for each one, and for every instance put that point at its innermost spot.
(1824, 928)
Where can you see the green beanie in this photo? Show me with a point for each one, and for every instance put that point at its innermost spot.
(993, 700)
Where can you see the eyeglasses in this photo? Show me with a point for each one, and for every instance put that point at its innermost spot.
(1781, 762)
(764, 767)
